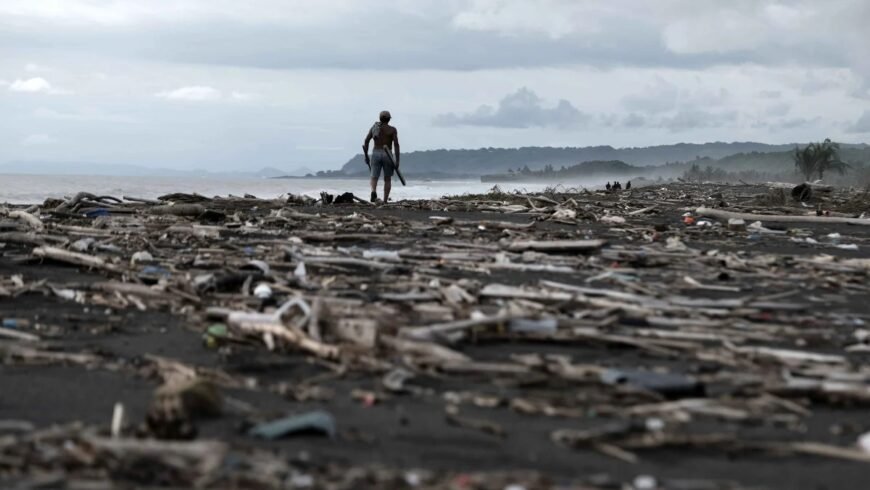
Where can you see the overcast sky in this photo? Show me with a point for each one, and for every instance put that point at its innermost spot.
(229, 84)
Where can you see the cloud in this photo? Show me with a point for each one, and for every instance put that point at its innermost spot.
(456, 35)
(195, 93)
(696, 119)
(522, 109)
(320, 148)
(38, 140)
(35, 68)
(452, 35)
(120, 13)
(770, 94)
(84, 115)
(660, 96)
(242, 96)
(200, 93)
(862, 91)
(36, 85)
(814, 82)
(777, 110)
(553, 18)
(862, 125)
(795, 123)
(715, 32)
(663, 96)
(634, 121)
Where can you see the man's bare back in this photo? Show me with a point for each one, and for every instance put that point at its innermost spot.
(386, 136)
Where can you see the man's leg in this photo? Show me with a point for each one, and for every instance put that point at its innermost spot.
(388, 181)
(376, 173)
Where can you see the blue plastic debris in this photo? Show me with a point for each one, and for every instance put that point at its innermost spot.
(319, 422)
(95, 213)
(15, 323)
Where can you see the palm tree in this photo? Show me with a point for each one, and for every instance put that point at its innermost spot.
(828, 158)
(805, 160)
(819, 158)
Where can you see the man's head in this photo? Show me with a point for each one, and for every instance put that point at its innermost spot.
(385, 116)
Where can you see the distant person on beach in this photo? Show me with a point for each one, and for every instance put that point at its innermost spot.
(628, 185)
(607, 186)
(617, 186)
(386, 139)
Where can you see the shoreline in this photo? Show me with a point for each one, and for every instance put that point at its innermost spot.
(35, 189)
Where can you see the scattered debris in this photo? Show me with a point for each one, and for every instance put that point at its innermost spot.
(688, 317)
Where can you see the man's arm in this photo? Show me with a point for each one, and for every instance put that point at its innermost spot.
(366, 146)
(396, 147)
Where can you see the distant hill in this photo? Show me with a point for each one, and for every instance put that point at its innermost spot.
(499, 160)
(773, 163)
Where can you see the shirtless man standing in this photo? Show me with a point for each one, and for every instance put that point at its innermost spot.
(384, 136)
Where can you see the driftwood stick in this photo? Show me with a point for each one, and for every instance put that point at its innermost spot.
(424, 349)
(432, 331)
(270, 325)
(370, 264)
(71, 203)
(206, 456)
(780, 218)
(132, 288)
(38, 355)
(16, 335)
(140, 199)
(83, 231)
(22, 238)
(31, 220)
(815, 449)
(541, 199)
(505, 225)
(363, 201)
(74, 258)
(642, 211)
(556, 245)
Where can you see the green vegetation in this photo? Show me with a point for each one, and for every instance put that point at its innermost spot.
(818, 158)
(699, 174)
(488, 161)
(574, 172)
(826, 160)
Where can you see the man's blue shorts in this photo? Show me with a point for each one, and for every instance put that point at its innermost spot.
(380, 160)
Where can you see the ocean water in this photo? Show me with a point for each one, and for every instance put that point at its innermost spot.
(30, 189)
